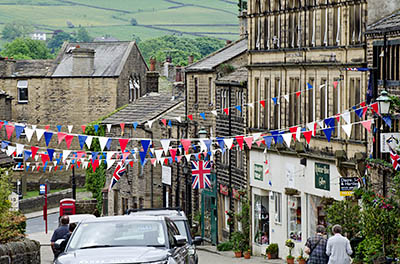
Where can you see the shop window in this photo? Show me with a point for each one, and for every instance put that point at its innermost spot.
(316, 214)
(278, 207)
(294, 218)
(261, 220)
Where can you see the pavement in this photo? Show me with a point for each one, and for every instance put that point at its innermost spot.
(209, 254)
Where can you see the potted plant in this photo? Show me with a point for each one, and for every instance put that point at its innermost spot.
(301, 259)
(246, 252)
(272, 251)
(237, 241)
(290, 244)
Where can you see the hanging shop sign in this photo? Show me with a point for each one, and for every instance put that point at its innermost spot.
(258, 172)
(322, 180)
(166, 175)
(347, 185)
(223, 190)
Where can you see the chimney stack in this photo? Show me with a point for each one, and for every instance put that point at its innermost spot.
(152, 77)
(82, 61)
(228, 42)
(178, 77)
(7, 67)
(190, 59)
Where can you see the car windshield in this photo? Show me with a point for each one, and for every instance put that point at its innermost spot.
(182, 228)
(118, 234)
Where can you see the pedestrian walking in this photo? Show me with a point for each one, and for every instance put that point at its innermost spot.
(338, 247)
(59, 233)
(71, 229)
(316, 247)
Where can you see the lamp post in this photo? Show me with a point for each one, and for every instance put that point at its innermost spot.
(185, 169)
(384, 107)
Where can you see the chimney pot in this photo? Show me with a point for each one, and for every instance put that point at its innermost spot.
(153, 64)
(228, 42)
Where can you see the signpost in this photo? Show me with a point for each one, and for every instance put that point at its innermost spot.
(45, 204)
(347, 186)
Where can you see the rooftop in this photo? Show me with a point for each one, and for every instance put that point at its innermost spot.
(145, 108)
(109, 57)
(33, 68)
(213, 60)
(388, 23)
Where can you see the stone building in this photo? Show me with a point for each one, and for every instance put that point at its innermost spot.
(200, 78)
(231, 169)
(143, 185)
(383, 53)
(299, 53)
(85, 82)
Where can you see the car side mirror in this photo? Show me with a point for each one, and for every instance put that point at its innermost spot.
(197, 240)
(57, 244)
(180, 240)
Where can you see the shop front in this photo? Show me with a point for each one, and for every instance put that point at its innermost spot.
(287, 198)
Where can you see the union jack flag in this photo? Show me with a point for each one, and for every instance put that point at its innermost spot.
(201, 172)
(119, 171)
(394, 157)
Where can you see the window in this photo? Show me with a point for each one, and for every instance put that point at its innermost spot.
(278, 207)
(294, 218)
(261, 219)
(276, 116)
(311, 100)
(311, 27)
(22, 91)
(267, 32)
(324, 26)
(196, 90)
(141, 202)
(226, 204)
(239, 156)
(267, 98)
(336, 26)
(257, 99)
(355, 99)
(336, 103)
(294, 102)
(324, 99)
(210, 91)
(277, 33)
(355, 24)
(134, 89)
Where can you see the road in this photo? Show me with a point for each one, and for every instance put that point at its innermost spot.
(36, 225)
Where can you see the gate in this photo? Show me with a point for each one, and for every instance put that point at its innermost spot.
(209, 225)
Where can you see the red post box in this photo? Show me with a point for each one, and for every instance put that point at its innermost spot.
(67, 207)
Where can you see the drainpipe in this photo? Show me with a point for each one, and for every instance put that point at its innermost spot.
(230, 163)
(151, 172)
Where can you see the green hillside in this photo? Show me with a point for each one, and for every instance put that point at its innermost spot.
(189, 18)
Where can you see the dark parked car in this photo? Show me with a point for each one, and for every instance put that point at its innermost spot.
(126, 239)
(180, 220)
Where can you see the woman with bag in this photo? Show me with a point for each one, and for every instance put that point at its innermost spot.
(316, 247)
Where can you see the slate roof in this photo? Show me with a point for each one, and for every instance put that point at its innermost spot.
(219, 57)
(178, 111)
(388, 23)
(109, 60)
(144, 109)
(25, 68)
(239, 76)
(5, 161)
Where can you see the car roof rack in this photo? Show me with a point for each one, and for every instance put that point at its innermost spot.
(134, 210)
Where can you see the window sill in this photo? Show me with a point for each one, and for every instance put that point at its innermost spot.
(22, 102)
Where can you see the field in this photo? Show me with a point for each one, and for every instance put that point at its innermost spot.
(189, 18)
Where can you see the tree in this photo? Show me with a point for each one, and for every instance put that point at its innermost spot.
(57, 40)
(26, 49)
(15, 30)
(5, 191)
(82, 35)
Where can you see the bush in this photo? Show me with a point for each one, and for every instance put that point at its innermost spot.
(272, 249)
(238, 241)
(225, 246)
(12, 227)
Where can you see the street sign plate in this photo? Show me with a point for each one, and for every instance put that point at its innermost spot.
(42, 189)
(347, 185)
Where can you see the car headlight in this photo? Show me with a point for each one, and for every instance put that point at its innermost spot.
(192, 250)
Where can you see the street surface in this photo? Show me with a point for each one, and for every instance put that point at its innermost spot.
(36, 225)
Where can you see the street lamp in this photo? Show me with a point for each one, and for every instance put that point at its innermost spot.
(384, 103)
(185, 170)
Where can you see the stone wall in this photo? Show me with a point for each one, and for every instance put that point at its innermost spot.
(5, 107)
(86, 207)
(26, 251)
(36, 203)
(379, 9)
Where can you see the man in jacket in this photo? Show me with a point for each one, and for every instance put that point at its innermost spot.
(316, 247)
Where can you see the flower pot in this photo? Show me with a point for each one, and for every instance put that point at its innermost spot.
(301, 261)
(290, 261)
(272, 255)
(238, 254)
(246, 255)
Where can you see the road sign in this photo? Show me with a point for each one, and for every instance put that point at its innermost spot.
(42, 189)
(347, 185)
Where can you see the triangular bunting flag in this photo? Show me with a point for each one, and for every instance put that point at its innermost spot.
(249, 141)
(39, 133)
(286, 96)
(82, 140)
(83, 128)
(375, 108)
(307, 135)
(190, 117)
(214, 112)
(123, 142)
(173, 153)
(251, 105)
(58, 128)
(29, 133)
(293, 130)
(275, 100)
(221, 143)
(9, 130)
(186, 144)
(239, 108)
(47, 127)
(65, 154)
(367, 125)
(328, 133)
(309, 86)
(145, 145)
(165, 145)
(158, 153)
(298, 94)
(229, 142)
(96, 128)
(335, 84)
(347, 129)
(142, 155)
(164, 121)
(268, 141)
(61, 136)
(203, 115)
(262, 102)
(51, 153)
(68, 140)
(388, 120)
(346, 117)
(89, 141)
(20, 149)
(109, 128)
(179, 119)
(70, 127)
(135, 124)
(103, 142)
(288, 138)
(19, 130)
(226, 111)
(47, 137)
(239, 140)
(122, 125)
(359, 112)
(150, 123)
(34, 151)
